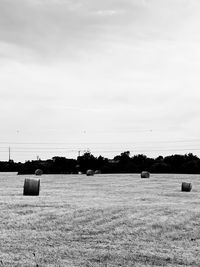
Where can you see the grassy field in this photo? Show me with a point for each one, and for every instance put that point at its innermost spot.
(104, 220)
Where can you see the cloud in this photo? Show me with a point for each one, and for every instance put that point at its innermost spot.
(106, 67)
(56, 29)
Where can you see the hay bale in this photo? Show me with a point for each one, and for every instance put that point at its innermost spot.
(97, 172)
(89, 172)
(145, 174)
(31, 187)
(186, 187)
(38, 172)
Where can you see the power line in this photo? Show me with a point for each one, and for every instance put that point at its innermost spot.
(104, 151)
(100, 143)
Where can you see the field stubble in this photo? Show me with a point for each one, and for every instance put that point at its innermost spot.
(103, 220)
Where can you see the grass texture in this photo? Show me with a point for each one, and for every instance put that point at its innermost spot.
(102, 220)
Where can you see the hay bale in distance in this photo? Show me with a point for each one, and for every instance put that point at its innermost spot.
(31, 187)
(97, 172)
(145, 174)
(38, 172)
(89, 172)
(186, 187)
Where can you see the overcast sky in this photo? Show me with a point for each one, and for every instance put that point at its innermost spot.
(109, 76)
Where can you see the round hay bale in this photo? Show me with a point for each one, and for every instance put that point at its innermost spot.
(145, 174)
(97, 172)
(186, 187)
(38, 172)
(89, 172)
(31, 187)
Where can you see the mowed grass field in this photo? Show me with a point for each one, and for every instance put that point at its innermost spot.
(102, 220)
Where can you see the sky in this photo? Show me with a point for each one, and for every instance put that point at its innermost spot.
(105, 76)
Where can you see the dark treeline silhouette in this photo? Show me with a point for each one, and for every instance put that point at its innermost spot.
(122, 163)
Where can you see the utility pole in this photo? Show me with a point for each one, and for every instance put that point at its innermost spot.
(9, 154)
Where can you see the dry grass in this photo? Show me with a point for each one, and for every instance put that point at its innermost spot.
(103, 220)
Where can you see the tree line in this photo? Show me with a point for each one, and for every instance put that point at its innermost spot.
(122, 163)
